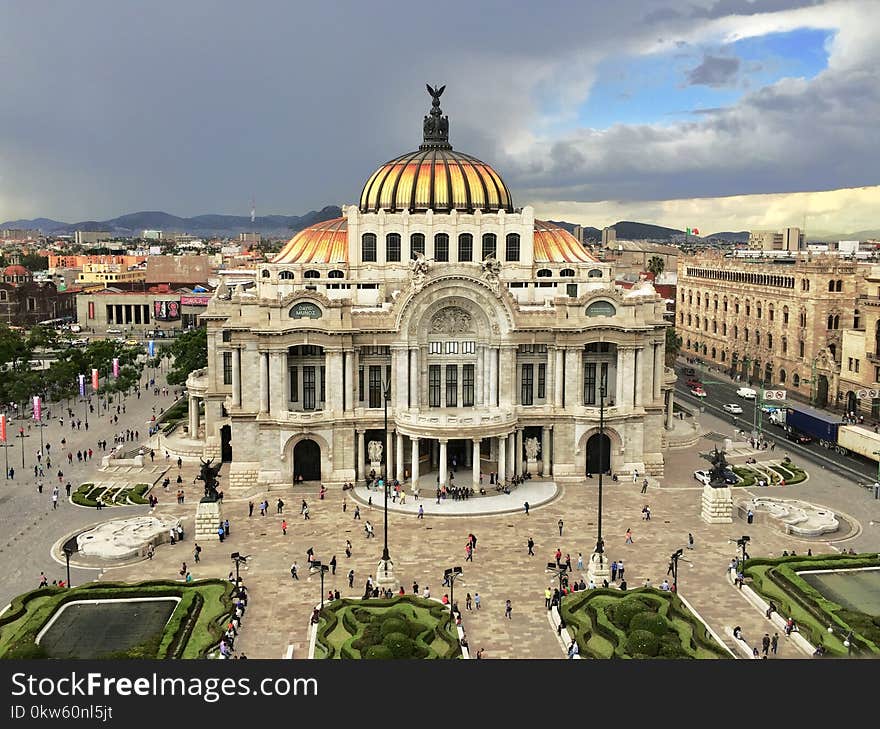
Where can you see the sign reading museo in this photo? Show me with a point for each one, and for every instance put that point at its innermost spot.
(166, 310)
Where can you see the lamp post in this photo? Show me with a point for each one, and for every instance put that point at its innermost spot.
(673, 568)
(322, 568)
(742, 542)
(559, 572)
(238, 558)
(847, 641)
(599, 571)
(22, 435)
(385, 570)
(449, 576)
(877, 453)
(68, 550)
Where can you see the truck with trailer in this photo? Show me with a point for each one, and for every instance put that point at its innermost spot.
(860, 440)
(804, 420)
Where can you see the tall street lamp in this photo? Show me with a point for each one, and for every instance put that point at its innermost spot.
(323, 569)
(22, 435)
(741, 543)
(68, 551)
(598, 570)
(449, 576)
(238, 559)
(385, 570)
(673, 568)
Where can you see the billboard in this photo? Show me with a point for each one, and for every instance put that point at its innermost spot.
(166, 310)
(194, 300)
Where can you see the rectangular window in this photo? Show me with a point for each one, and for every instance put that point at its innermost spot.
(571, 290)
(435, 347)
(392, 247)
(308, 388)
(322, 397)
(527, 391)
(603, 378)
(452, 386)
(850, 365)
(294, 384)
(857, 365)
(227, 368)
(542, 380)
(375, 386)
(441, 247)
(465, 247)
(511, 248)
(877, 374)
(468, 347)
(416, 244)
(451, 347)
(489, 246)
(360, 384)
(434, 386)
(368, 248)
(467, 386)
(801, 348)
(589, 383)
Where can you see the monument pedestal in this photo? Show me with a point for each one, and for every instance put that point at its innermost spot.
(377, 467)
(532, 466)
(717, 505)
(599, 568)
(385, 574)
(207, 520)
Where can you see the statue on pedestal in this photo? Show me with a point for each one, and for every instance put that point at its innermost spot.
(533, 448)
(374, 451)
(719, 469)
(208, 474)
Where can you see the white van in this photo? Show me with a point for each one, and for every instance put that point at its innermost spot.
(747, 392)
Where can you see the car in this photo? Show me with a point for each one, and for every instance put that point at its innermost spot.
(132, 342)
(694, 382)
(702, 477)
(114, 330)
(698, 392)
(690, 371)
(801, 438)
(75, 328)
(746, 392)
(732, 407)
(730, 478)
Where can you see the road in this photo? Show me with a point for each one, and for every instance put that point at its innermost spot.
(720, 390)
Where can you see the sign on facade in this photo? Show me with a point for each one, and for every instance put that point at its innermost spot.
(868, 393)
(775, 394)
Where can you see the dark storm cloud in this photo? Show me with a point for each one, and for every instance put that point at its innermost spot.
(714, 71)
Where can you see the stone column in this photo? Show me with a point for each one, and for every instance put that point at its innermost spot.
(493, 377)
(621, 375)
(550, 382)
(658, 372)
(277, 383)
(518, 456)
(502, 458)
(558, 377)
(359, 456)
(413, 383)
(511, 453)
(639, 382)
(573, 389)
(400, 378)
(545, 451)
(350, 381)
(389, 453)
(264, 382)
(669, 410)
(475, 465)
(236, 377)
(193, 417)
(443, 474)
(414, 466)
(333, 392)
(399, 454)
(478, 378)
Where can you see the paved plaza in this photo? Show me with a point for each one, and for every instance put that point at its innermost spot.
(278, 614)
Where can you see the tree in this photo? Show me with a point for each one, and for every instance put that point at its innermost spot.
(189, 352)
(673, 346)
(656, 265)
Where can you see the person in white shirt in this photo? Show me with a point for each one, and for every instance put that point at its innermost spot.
(426, 593)
(573, 649)
(664, 585)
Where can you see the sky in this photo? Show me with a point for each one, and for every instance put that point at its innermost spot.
(715, 114)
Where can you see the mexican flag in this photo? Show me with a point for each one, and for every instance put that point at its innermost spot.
(693, 231)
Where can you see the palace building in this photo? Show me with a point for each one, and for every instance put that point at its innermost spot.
(495, 338)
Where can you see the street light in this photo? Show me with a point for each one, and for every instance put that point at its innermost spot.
(238, 558)
(598, 564)
(742, 542)
(673, 568)
(559, 571)
(847, 641)
(22, 435)
(449, 576)
(386, 395)
(68, 550)
(323, 568)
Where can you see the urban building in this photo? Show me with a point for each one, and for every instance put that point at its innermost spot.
(773, 321)
(158, 311)
(860, 356)
(497, 338)
(109, 274)
(25, 302)
(88, 237)
(789, 239)
(178, 271)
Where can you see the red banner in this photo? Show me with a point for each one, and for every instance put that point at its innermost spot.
(3, 428)
(95, 380)
(38, 408)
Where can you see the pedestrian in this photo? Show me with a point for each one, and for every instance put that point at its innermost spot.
(284, 527)
(477, 600)
(774, 643)
(54, 499)
(357, 511)
(568, 562)
(306, 513)
(548, 597)
(197, 551)
(645, 486)
(333, 565)
(526, 507)
(350, 579)
(690, 541)
(226, 527)
(620, 568)
(294, 571)
(531, 545)
(347, 549)
(508, 610)
(580, 563)
(614, 571)
(750, 516)
(629, 537)
(220, 532)
(573, 649)
(560, 524)
(421, 512)
(279, 507)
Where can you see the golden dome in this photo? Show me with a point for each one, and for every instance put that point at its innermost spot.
(325, 242)
(435, 177)
(556, 245)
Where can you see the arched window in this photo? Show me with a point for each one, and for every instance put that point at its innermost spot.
(746, 333)
(785, 316)
(803, 319)
(833, 349)
(801, 348)
(724, 304)
(544, 273)
(511, 248)
(688, 343)
(441, 247)
(839, 285)
(490, 246)
(597, 273)
(748, 308)
(368, 247)
(392, 247)
(336, 273)
(312, 273)
(689, 320)
(758, 338)
(3, 295)
(760, 311)
(831, 285)
(265, 273)
(723, 329)
(723, 356)
(714, 326)
(286, 275)
(713, 352)
(680, 314)
(785, 345)
(569, 273)
(857, 319)
(601, 308)
(769, 341)
(782, 377)
(796, 380)
(771, 312)
(735, 331)
(877, 338)
(416, 244)
(465, 247)
(705, 324)
(837, 321)
(830, 321)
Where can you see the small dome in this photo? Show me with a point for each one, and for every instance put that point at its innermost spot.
(325, 242)
(435, 177)
(556, 245)
(16, 271)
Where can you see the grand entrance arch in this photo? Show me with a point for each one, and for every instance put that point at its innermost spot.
(226, 444)
(822, 391)
(598, 453)
(307, 460)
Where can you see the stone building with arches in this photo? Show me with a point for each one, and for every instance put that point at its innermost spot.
(479, 328)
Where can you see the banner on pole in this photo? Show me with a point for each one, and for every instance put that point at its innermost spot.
(38, 408)
(116, 367)
(95, 380)
(82, 385)
(3, 428)
(151, 348)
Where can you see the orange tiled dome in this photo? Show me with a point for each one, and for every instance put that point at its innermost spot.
(556, 245)
(325, 242)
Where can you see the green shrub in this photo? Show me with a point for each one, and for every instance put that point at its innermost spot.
(400, 645)
(136, 495)
(642, 641)
(626, 610)
(393, 625)
(650, 621)
(379, 653)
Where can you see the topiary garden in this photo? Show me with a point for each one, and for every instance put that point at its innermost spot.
(119, 495)
(404, 627)
(643, 623)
